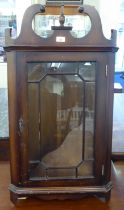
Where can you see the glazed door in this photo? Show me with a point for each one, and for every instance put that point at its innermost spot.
(62, 122)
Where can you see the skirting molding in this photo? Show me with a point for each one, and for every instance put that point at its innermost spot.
(59, 190)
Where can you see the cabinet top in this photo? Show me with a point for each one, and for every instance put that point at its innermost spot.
(61, 38)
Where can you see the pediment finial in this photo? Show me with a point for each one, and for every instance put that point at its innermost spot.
(62, 16)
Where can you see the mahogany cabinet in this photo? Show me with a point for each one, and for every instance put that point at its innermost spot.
(60, 109)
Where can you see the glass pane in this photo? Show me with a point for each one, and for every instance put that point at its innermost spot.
(42, 24)
(60, 173)
(86, 169)
(89, 120)
(33, 97)
(87, 71)
(61, 119)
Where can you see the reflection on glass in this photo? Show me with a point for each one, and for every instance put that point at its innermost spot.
(42, 24)
(61, 119)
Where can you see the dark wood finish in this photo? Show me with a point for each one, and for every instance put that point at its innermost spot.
(4, 149)
(29, 48)
(117, 156)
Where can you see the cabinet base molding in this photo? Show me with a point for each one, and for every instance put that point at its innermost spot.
(59, 190)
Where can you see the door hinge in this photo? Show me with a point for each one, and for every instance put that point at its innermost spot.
(106, 70)
(103, 170)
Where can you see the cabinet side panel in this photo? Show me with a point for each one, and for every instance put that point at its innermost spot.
(109, 113)
(12, 94)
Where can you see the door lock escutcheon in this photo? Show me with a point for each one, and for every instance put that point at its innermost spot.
(21, 125)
